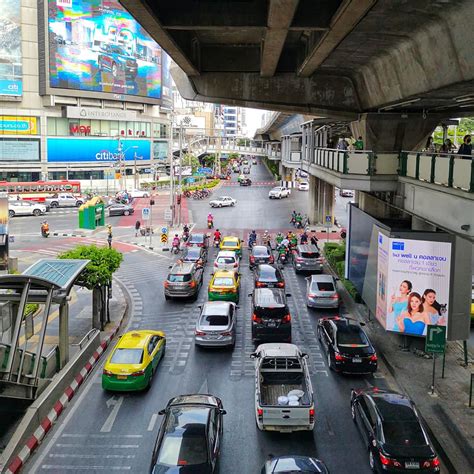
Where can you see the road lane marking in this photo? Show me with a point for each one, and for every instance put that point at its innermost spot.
(92, 456)
(59, 467)
(152, 423)
(109, 422)
(80, 435)
(113, 446)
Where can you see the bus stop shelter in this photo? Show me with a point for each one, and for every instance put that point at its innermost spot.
(24, 369)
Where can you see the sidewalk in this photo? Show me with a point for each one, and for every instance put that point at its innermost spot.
(446, 413)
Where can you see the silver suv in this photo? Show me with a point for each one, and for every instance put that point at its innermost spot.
(307, 258)
(184, 281)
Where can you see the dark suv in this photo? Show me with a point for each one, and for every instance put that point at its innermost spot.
(391, 427)
(115, 59)
(183, 281)
(271, 319)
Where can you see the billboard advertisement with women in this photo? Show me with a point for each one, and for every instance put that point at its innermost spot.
(413, 284)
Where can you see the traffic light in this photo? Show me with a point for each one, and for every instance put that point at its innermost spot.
(178, 200)
(152, 202)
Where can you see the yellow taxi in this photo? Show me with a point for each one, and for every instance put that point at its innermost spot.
(224, 286)
(231, 243)
(133, 361)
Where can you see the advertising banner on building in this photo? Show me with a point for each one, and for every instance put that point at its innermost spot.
(160, 150)
(10, 49)
(96, 150)
(14, 125)
(98, 46)
(413, 284)
(19, 149)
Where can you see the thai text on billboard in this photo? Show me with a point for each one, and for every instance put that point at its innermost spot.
(413, 284)
(10, 49)
(97, 46)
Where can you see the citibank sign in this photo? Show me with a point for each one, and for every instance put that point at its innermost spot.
(73, 150)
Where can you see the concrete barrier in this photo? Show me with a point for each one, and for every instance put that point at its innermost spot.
(38, 418)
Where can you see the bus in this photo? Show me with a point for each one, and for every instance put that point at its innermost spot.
(38, 191)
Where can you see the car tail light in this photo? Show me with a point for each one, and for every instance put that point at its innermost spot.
(431, 463)
(252, 259)
(260, 414)
(166, 284)
(311, 415)
(199, 333)
(256, 319)
(192, 284)
(338, 356)
(227, 333)
(286, 318)
(259, 284)
(335, 297)
(138, 373)
(281, 284)
(107, 372)
(389, 462)
(271, 259)
(299, 260)
(311, 295)
(373, 358)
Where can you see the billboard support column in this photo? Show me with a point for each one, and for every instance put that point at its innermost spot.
(180, 169)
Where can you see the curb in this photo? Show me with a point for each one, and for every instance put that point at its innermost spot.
(148, 247)
(35, 440)
(60, 234)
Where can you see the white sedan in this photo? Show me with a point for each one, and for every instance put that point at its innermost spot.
(303, 186)
(227, 260)
(223, 201)
(25, 208)
(279, 192)
(139, 193)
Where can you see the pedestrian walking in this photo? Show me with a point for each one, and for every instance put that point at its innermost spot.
(466, 147)
(359, 144)
(430, 145)
(342, 144)
(137, 227)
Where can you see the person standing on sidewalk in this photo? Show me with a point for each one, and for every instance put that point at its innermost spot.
(466, 147)
(137, 227)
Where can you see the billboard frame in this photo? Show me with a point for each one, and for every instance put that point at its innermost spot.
(44, 76)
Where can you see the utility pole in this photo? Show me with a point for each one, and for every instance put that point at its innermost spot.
(170, 153)
(180, 171)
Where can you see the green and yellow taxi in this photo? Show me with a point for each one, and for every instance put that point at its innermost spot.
(233, 244)
(224, 286)
(133, 361)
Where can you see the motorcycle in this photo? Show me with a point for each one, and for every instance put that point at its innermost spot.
(252, 242)
(217, 242)
(175, 248)
(283, 257)
(45, 233)
(185, 236)
(210, 224)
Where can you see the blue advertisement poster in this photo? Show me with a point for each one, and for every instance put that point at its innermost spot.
(61, 150)
(10, 49)
(95, 45)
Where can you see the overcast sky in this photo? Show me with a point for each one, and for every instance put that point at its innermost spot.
(254, 120)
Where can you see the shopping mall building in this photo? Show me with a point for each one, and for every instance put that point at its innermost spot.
(85, 92)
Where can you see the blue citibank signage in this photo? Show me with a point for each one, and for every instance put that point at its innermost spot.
(95, 150)
(13, 88)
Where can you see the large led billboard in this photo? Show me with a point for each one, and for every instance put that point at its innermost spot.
(96, 46)
(10, 49)
(413, 282)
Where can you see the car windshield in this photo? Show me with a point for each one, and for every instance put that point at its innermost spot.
(223, 281)
(198, 239)
(127, 356)
(323, 286)
(269, 274)
(179, 278)
(193, 253)
(178, 450)
(116, 49)
(215, 320)
(226, 260)
(271, 312)
(403, 433)
(260, 252)
(230, 243)
(351, 336)
(310, 254)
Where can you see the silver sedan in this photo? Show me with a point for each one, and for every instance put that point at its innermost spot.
(215, 326)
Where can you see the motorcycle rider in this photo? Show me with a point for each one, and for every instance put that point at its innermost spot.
(176, 242)
(217, 237)
(45, 229)
(210, 221)
(266, 239)
(252, 238)
(293, 217)
(304, 238)
(279, 238)
(185, 232)
(299, 221)
(283, 249)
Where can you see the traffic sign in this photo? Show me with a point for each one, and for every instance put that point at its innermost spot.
(168, 215)
(435, 341)
(164, 238)
(146, 213)
(328, 219)
(164, 230)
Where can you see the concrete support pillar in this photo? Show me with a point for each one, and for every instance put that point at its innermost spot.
(313, 199)
(420, 224)
(63, 334)
(320, 201)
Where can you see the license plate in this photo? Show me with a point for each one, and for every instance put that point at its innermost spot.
(121, 377)
(213, 337)
(271, 324)
(357, 360)
(412, 465)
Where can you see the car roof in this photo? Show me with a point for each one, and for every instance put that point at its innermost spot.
(194, 235)
(182, 268)
(346, 325)
(278, 349)
(393, 406)
(217, 307)
(193, 250)
(194, 399)
(267, 268)
(230, 238)
(310, 248)
(133, 340)
(322, 278)
(259, 247)
(226, 253)
(223, 274)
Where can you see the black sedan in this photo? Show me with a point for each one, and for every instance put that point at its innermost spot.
(391, 428)
(193, 254)
(260, 254)
(190, 436)
(197, 240)
(347, 347)
(120, 210)
(294, 464)
(268, 276)
(245, 182)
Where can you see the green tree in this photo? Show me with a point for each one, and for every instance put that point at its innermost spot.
(191, 160)
(97, 276)
(466, 126)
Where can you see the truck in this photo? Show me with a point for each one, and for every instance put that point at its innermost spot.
(284, 399)
(64, 200)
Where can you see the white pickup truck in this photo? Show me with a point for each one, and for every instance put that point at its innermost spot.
(64, 200)
(283, 391)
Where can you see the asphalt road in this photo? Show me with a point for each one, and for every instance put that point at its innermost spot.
(100, 432)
